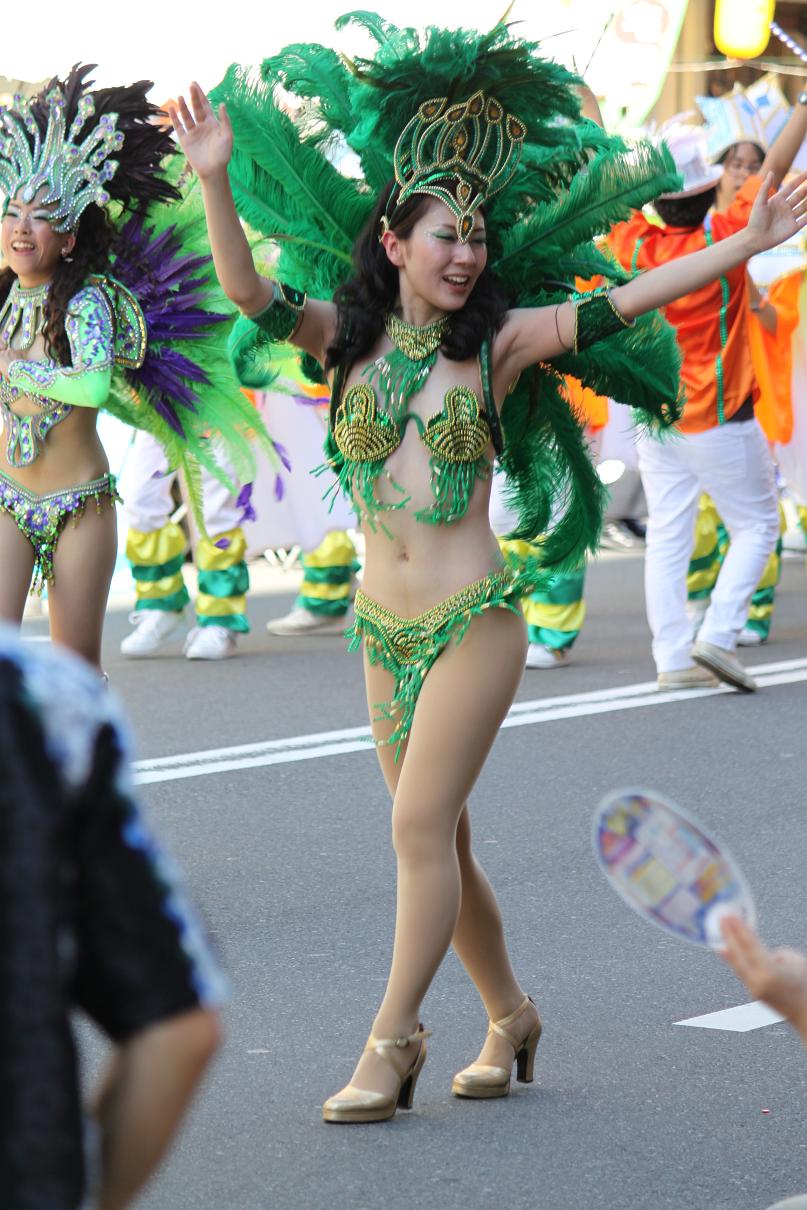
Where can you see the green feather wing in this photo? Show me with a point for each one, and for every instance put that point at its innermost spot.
(287, 189)
(551, 481)
(613, 184)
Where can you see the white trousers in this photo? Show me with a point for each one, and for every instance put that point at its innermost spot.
(145, 485)
(733, 464)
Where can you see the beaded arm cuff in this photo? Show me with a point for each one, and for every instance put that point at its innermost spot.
(284, 314)
(86, 383)
(596, 316)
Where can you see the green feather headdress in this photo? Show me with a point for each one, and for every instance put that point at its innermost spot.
(566, 182)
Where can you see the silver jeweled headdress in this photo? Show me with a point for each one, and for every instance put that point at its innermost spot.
(73, 173)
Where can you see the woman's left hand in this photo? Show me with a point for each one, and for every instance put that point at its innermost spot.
(775, 219)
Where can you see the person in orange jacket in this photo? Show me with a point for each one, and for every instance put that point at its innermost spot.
(721, 447)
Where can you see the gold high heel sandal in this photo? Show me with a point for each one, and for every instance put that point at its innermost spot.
(363, 1105)
(480, 1081)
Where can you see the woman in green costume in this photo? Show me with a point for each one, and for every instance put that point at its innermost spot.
(422, 346)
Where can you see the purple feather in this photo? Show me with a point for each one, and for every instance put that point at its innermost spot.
(171, 292)
(244, 502)
(308, 402)
(282, 454)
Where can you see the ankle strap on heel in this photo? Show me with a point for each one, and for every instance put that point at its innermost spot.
(382, 1044)
(500, 1027)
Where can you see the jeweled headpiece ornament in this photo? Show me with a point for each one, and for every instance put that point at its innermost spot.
(86, 146)
(72, 171)
(461, 154)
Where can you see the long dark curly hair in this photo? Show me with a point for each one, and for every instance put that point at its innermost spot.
(95, 238)
(369, 296)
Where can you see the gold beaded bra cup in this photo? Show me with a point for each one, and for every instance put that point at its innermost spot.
(366, 434)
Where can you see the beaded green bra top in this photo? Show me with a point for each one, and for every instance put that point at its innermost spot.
(365, 431)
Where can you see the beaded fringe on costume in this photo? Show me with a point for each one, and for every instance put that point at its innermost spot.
(409, 647)
(42, 518)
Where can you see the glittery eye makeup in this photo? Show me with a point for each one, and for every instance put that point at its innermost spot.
(450, 236)
(13, 210)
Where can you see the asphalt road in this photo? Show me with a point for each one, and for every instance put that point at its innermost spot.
(292, 865)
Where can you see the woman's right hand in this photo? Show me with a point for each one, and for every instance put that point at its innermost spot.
(206, 139)
(778, 977)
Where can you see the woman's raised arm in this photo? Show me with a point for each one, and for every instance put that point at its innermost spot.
(540, 333)
(207, 141)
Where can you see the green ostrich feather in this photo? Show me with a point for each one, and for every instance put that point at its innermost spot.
(288, 190)
(615, 183)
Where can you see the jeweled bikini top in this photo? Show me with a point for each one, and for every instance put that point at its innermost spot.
(103, 325)
(457, 437)
(22, 319)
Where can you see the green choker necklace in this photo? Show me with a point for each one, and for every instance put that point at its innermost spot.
(22, 315)
(414, 342)
(401, 373)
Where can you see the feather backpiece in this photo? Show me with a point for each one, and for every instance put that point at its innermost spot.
(572, 183)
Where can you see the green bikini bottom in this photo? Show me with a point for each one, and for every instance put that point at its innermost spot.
(409, 647)
(42, 518)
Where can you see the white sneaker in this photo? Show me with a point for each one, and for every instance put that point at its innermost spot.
(748, 637)
(723, 664)
(301, 621)
(153, 629)
(210, 643)
(539, 656)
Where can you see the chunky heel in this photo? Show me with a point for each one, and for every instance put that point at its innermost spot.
(481, 1082)
(525, 1059)
(361, 1104)
(407, 1094)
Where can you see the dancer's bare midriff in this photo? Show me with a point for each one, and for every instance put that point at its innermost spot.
(70, 455)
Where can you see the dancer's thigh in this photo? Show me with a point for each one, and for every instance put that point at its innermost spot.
(16, 569)
(82, 572)
(380, 686)
(461, 707)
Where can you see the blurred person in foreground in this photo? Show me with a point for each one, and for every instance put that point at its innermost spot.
(91, 917)
(779, 977)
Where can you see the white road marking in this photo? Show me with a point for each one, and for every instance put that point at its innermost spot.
(741, 1019)
(356, 739)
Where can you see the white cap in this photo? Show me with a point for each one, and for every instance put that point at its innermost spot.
(688, 146)
(736, 118)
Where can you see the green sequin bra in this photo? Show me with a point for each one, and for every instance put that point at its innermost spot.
(366, 430)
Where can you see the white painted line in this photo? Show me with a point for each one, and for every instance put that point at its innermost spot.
(356, 739)
(293, 743)
(741, 1019)
(254, 762)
